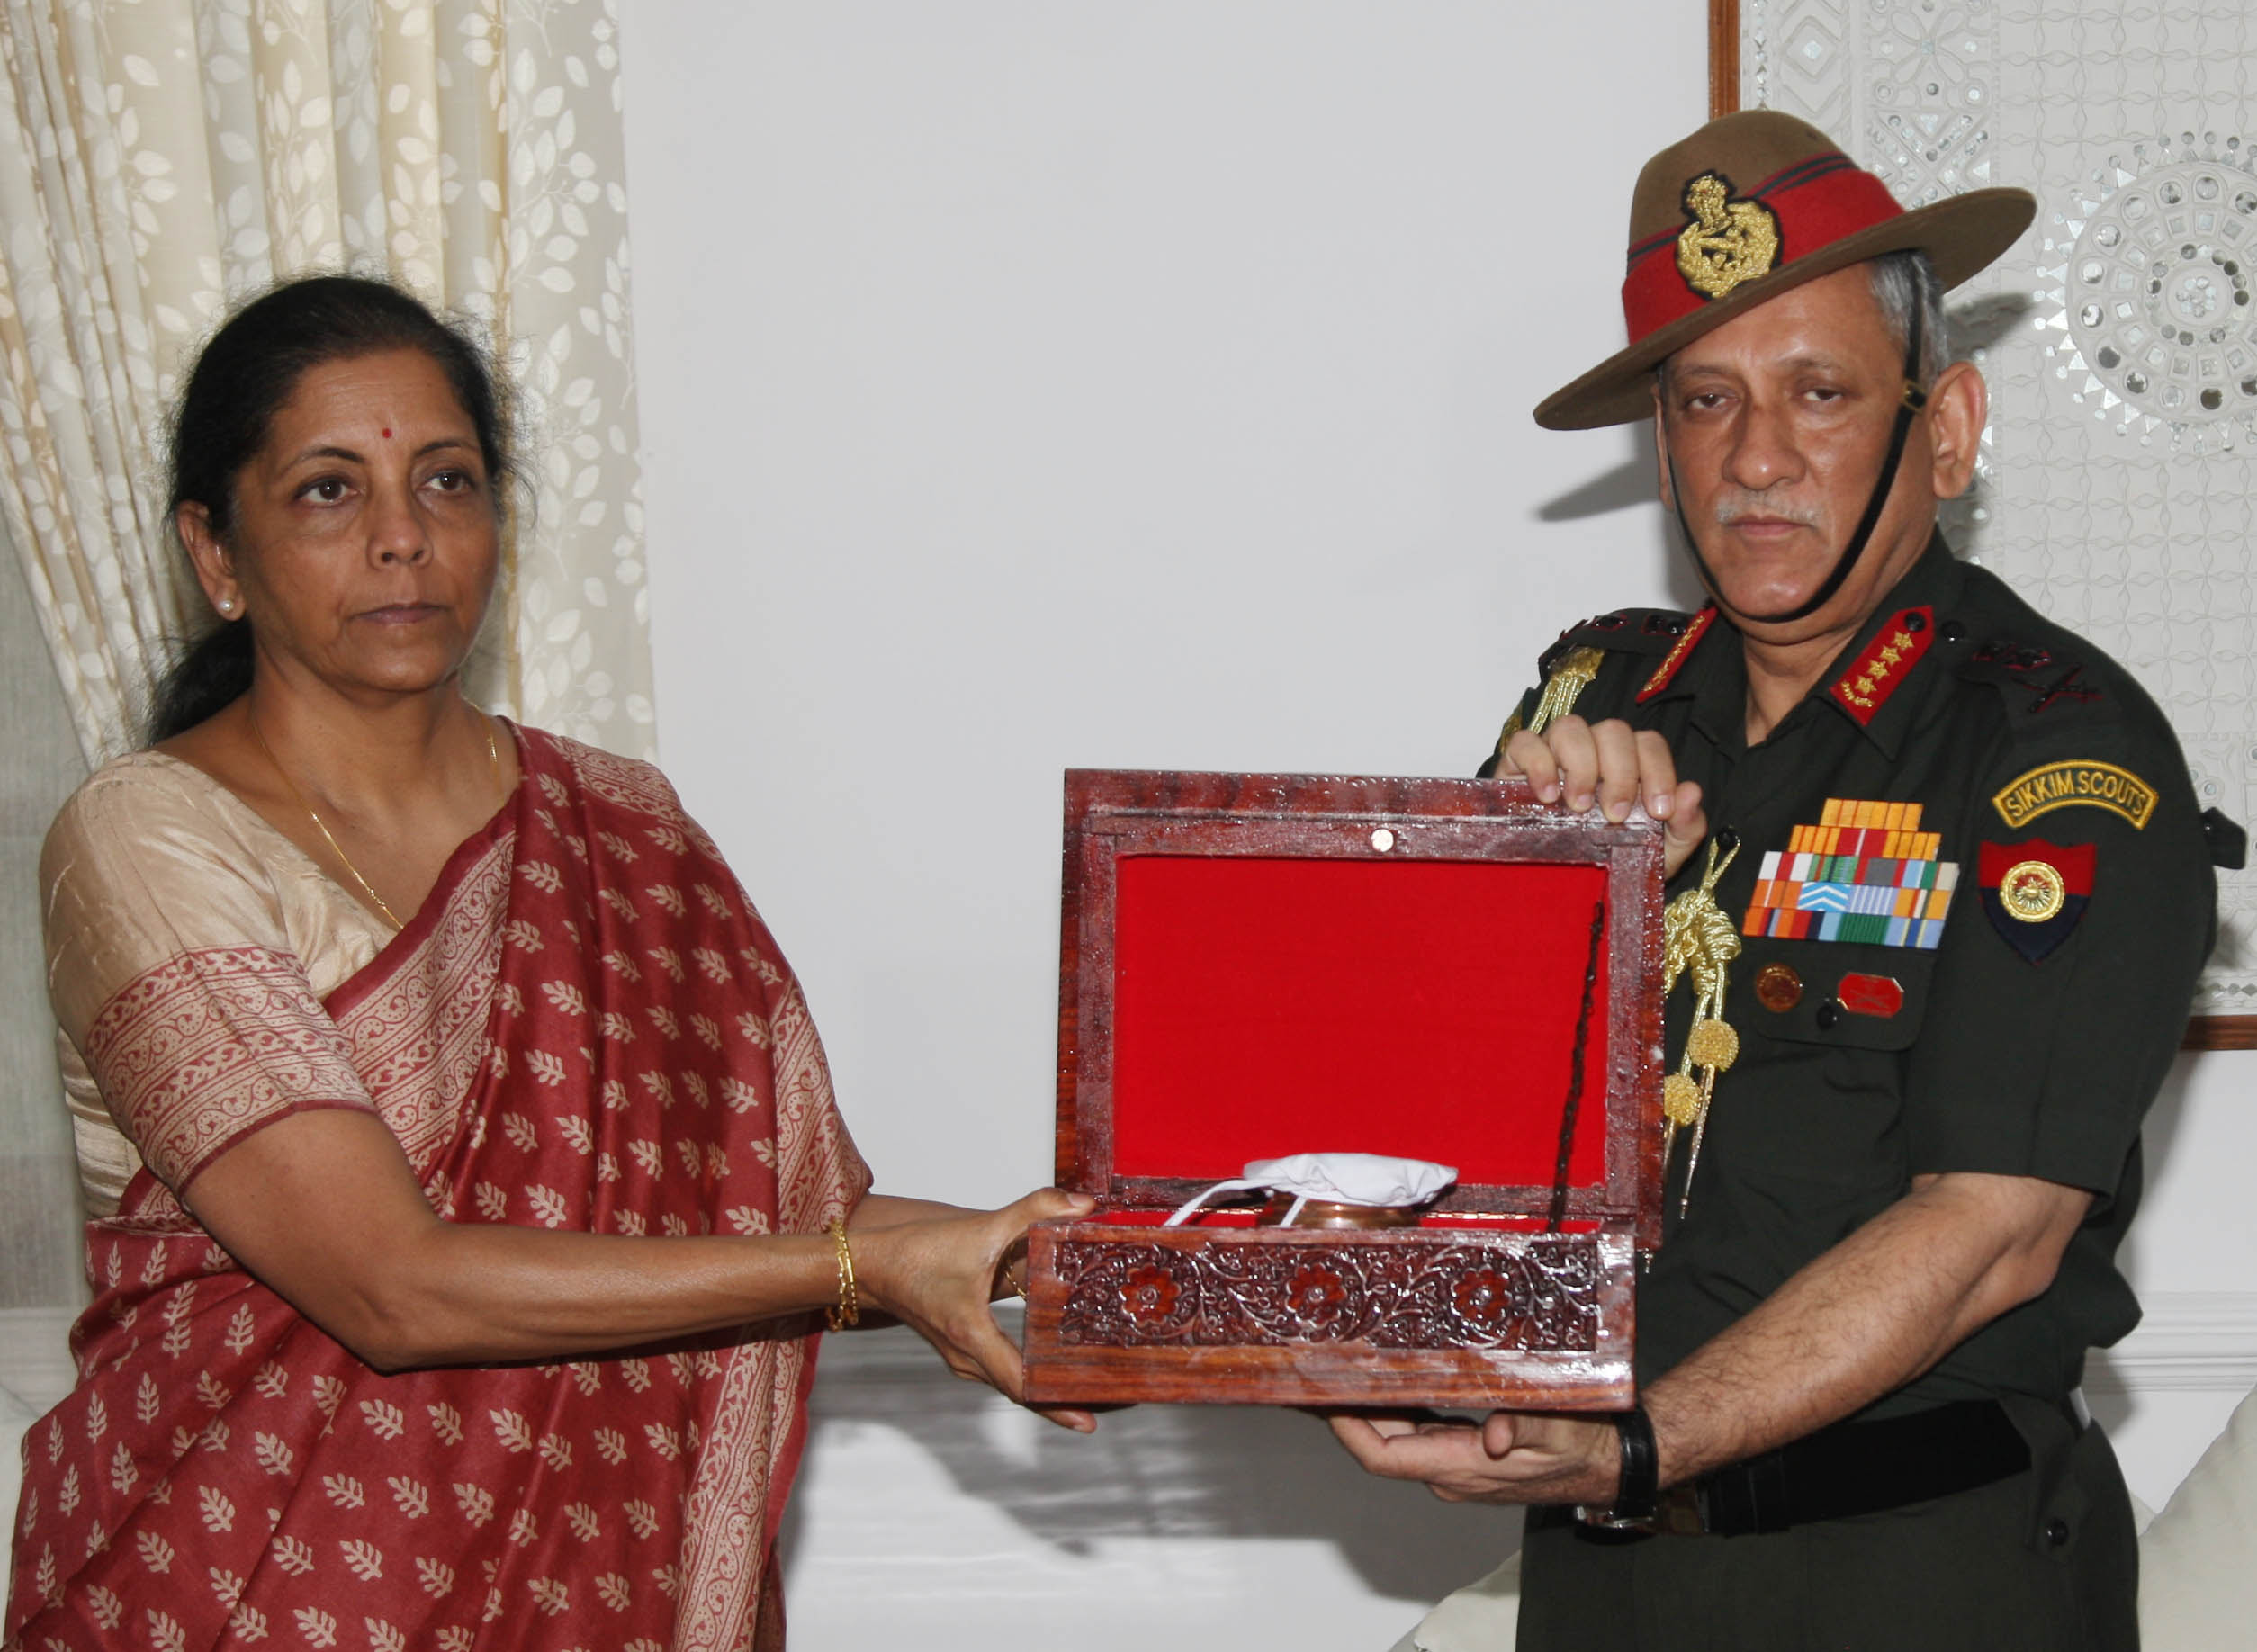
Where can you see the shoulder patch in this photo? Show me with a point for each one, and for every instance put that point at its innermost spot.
(2034, 892)
(1880, 670)
(2059, 785)
(1679, 652)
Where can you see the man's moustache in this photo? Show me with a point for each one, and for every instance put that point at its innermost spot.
(1732, 509)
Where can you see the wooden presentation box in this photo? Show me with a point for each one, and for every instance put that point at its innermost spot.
(1255, 966)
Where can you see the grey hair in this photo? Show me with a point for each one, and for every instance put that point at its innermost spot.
(1899, 281)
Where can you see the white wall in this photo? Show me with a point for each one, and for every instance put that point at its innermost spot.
(1034, 385)
(1040, 384)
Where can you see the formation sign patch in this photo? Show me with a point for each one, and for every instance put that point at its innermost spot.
(1866, 871)
(2034, 892)
(2057, 786)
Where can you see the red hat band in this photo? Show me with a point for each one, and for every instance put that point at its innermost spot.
(1728, 238)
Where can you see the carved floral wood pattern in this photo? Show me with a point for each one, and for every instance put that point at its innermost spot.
(1538, 1294)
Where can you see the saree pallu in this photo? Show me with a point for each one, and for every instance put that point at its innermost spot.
(586, 1028)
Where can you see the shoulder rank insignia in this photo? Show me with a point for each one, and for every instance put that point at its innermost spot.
(1688, 639)
(1866, 871)
(1887, 660)
(1579, 636)
(2058, 786)
(2050, 679)
(2034, 892)
(1628, 631)
(1725, 241)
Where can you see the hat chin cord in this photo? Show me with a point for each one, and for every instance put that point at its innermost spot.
(1913, 401)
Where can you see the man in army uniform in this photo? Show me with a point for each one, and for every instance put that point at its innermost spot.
(1948, 887)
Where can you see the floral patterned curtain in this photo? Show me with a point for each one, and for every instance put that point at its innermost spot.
(160, 159)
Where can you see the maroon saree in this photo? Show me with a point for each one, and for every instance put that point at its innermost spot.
(586, 1028)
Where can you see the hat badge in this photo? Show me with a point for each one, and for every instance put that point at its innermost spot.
(1727, 241)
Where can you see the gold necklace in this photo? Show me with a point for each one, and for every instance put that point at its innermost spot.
(493, 757)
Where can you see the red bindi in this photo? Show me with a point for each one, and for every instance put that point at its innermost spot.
(387, 436)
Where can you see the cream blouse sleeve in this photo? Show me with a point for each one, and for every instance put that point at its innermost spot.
(173, 967)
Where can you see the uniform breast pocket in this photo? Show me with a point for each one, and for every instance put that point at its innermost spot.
(1839, 994)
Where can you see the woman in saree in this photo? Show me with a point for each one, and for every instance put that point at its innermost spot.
(464, 1176)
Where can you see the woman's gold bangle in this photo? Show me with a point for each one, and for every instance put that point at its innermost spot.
(849, 1309)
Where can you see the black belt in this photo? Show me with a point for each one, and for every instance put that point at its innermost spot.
(1846, 1469)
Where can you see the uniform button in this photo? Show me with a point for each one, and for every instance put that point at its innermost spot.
(2056, 1532)
(1727, 840)
(1828, 1014)
(1916, 622)
(1953, 631)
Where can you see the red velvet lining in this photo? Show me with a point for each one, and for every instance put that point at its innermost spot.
(1426, 1009)
(1245, 1218)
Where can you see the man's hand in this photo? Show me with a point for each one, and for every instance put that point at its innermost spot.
(1611, 764)
(1514, 1457)
(1855, 1323)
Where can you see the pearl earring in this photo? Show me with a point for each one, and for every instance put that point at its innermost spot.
(226, 605)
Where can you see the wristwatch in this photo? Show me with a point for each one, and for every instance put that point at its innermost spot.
(1638, 1496)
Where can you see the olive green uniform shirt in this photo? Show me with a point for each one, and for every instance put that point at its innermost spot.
(2018, 1046)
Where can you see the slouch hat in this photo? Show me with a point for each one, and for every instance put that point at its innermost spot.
(1747, 208)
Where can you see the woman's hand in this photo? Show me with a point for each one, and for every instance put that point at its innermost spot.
(935, 1268)
(1611, 764)
(323, 1209)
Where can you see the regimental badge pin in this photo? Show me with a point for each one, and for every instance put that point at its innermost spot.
(1866, 871)
(1727, 241)
(2034, 892)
